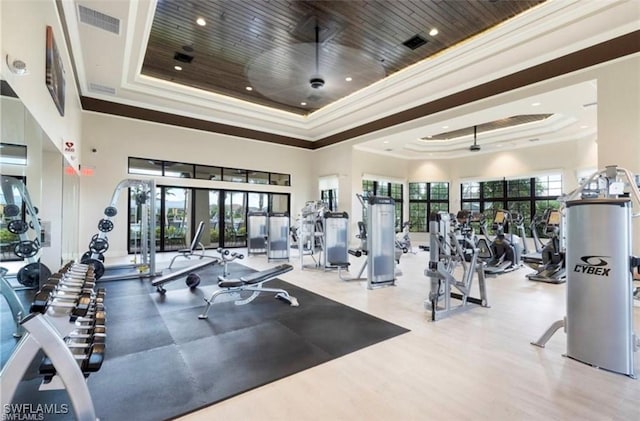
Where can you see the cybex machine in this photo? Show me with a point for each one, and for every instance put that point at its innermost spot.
(278, 236)
(381, 242)
(599, 318)
(256, 233)
(446, 252)
(144, 197)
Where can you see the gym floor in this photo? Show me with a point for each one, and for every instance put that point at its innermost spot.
(474, 365)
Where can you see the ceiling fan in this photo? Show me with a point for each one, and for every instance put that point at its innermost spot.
(475, 147)
(311, 75)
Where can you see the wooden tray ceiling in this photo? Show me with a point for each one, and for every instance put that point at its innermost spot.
(264, 39)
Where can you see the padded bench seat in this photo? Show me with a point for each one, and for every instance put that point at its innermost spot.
(252, 283)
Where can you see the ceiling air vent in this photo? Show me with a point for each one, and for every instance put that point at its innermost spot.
(181, 57)
(414, 42)
(101, 89)
(99, 20)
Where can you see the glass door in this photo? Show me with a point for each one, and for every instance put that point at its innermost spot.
(235, 219)
(177, 217)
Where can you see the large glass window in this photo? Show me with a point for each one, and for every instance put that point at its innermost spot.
(234, 175)
(178, 169)
(425, 198)
(235, 219)
(160, 168)
(279, 203)
(257, 177)
(276, 179)
(176, 213)
(525, 196)
(13, 154)
(258, 202)
(330, 197)
(205, 172)
(179, 210)
(145, 167)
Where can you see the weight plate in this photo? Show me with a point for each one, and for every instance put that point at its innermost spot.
(98, 267)
(26, 249)
(99, 245)
(110, 211)
(105, 225)
(87, 255)
(31, 275)
(193, 280)
(11, 210)
(18, 226)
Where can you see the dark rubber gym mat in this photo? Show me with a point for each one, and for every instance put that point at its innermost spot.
(162, 361)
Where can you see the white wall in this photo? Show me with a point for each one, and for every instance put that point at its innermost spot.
(23, 37)
(116, 139)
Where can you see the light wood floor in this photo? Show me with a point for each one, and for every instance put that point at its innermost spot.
(477, 365)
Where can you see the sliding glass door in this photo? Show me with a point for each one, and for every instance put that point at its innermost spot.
(235, 219)
(179, 210)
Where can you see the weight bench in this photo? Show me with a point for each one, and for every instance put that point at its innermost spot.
(252, 282)
(195, 244)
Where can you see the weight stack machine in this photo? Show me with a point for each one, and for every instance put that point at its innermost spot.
(381, 241)
(599, 318)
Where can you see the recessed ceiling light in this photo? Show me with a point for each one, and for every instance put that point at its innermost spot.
(584, 127)
(178, 68)
(433, 32)
(535, 104)
(303, 103)
(249, 88)
(386, 141)
(445, 127)
(499, 145)
(348, 79)
(201, 21)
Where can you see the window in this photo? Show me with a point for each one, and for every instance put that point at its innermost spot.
(13, 154)
(386, 188)
(525, 196)
(425, 198)
(179, 210)
(470, 190)
(178, 169)
(160, 168)
(330, 197)
(258, 177)
(205, 172)
(234, 175)
(280, 179)
(145, 167)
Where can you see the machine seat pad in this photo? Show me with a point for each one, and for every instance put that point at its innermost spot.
(229, 283)
(267, 274)
(340, 264)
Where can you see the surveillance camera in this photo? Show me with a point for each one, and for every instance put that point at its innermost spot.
(94, 150)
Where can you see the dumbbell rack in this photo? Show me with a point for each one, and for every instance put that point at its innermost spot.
(66, 322)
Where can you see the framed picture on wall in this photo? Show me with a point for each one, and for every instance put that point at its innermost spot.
(54, 76)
